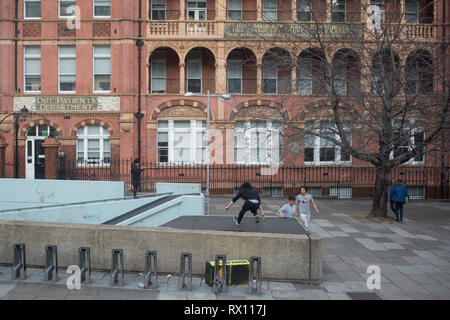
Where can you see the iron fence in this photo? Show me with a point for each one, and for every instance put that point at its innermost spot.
(334, 181)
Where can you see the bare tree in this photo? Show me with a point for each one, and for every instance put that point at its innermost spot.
(382, 97)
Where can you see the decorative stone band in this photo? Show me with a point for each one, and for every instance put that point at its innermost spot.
(67, 103)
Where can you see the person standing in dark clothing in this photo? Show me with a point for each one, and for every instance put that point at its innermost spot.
(399, 195)
(136, 176)
(252, 203)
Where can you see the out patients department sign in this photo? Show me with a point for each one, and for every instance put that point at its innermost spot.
(67, 103)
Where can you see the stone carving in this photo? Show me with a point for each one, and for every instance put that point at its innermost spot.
(181, 112)
(259, 112)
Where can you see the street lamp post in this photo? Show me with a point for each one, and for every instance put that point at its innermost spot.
(208, 113)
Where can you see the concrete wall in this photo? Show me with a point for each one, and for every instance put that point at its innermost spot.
(284, 257)
(21, 193)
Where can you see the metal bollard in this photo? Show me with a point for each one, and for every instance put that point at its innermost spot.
(84, 263)
(51, 263)
(19, 267)
(182, 276)
(148, 279)
(116, 276)
(220, 283)
(251, 276)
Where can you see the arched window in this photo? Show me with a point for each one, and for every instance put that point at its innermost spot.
(93, 145)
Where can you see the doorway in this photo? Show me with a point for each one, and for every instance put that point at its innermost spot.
(34, 152)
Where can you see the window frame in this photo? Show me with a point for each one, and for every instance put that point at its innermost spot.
(159, 10)
(265, 11)
(416, 13)
(31, 57)
(234, 10)
(59, 9)
(100, 56)
(85, 136)
(244, 133)
(196, 59)
(339, 10)
(66, 56)
(25, 10)
(163, 61)
(273, 74)
(195, 127)
(235, 61)
(101, 17)
(308, 6)
(317, 145)
(414, 131)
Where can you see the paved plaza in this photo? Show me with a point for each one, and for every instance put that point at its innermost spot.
(413, 257)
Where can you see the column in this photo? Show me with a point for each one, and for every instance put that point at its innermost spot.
(182, 78)
(259, 78)
(3, 146)
(259, 10)
(403, 12)
(50, 146)
(182, 9)
(221, 73)
(294, 80)
(328, 9)
(294, 10)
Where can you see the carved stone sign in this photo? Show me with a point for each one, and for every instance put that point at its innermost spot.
(181, 112)
(67, 103)
(258, 112)
(293, 31)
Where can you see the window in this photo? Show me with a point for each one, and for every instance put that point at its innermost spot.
(419, 73)
(234, 10)
(158, 9)
(270, 74)
(338, 10)
(67, 68)
(304, 76)
(64, 6)
(158, 69)
(258, 142)
(304, 10)
(32, 69)
(412, 11)
(409, 136)
(102, 68)
(32, 9)
(194, 72)
(234, 72)
(102, 8)
(340, 74)
(182, 141)
(269, 12)
(93, 145)
(196, 10)
(319, 149)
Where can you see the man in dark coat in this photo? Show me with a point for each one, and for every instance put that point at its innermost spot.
(136, 176)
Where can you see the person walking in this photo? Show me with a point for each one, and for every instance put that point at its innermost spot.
(289, 210)
(252, 203)
(303, 202)
(399, 195)
(136, 176)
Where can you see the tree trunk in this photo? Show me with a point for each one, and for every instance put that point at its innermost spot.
(381, 192)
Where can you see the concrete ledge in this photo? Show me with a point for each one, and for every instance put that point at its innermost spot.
(284, 257)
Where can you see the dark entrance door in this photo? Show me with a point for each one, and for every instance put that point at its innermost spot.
(39, 160)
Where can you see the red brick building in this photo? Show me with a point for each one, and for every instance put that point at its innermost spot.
(117, 75)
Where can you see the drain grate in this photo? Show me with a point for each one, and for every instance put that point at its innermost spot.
(364, 296)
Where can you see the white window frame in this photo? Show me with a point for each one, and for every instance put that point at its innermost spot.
(235, 62)
(317, 146)
(415, 130)
(82, 134)
(66, 56)
(25, 74)
(59, 9)
(25, 10)
(100, 17)
(244, 134)
(102, 56)
(162, 60)
(197, 10)
(195, 126)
